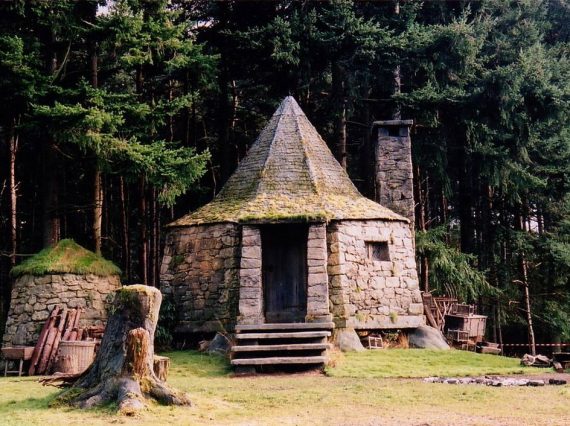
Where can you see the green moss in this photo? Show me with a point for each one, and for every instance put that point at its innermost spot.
(66, 257)
(279, 217)
(176, 261)
(128, 299)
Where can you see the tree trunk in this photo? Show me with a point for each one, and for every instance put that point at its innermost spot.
(51, 222)
(98, 194)
(153, 240)
(466, 202)
(156, 237)
(339, 99)
(123, 369)
(97, 209)
(224, 114)
(397, 113)
(50, 197)
(143, 253)
(13, 147)
(531, 340)
(523, 269)
(125, 230)
(422, 226)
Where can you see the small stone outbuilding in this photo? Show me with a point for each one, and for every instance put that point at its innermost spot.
(66, 275)
(290, 239)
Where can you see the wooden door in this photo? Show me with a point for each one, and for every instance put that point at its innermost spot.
(284, 263)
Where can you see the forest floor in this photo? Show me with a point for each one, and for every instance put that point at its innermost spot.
(358, 390)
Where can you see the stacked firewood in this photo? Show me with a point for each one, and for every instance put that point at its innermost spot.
(61, 325)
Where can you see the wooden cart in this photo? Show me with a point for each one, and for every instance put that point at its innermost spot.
(16, 353)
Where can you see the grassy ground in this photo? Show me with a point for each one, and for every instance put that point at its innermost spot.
(407, 363)
(337, 399)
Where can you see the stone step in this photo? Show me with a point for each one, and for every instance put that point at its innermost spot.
(281, 360)
(289, 347)
(285, 335)
(286, 326)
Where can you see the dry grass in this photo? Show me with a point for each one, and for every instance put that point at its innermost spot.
(301, 399)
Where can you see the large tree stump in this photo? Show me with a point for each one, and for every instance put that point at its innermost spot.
(123, 369)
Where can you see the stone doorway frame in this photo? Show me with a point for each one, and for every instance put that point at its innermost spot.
(251, 309)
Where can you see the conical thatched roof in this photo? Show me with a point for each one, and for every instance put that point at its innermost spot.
(289, 174)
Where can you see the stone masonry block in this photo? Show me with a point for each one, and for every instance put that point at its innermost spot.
(416, 309)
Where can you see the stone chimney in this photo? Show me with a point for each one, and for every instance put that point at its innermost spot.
(393, 167)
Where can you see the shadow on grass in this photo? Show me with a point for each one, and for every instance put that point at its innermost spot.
(198, 364)
(19, 396)
(19, 389)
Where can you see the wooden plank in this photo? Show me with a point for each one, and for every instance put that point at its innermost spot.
(291, 347)
(42, 365)
(281, 360)
(76, 322)
(291, 335)
(41, 340)
(430, 318)
(62, 320)
(286, 326)
(69, 324)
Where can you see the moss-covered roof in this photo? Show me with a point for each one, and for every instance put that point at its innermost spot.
(66, 257)
(288, 174)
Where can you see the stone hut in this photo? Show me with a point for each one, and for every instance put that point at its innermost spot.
(67, 275)
(289, 239)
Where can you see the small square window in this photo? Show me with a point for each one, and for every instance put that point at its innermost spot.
(378, 251)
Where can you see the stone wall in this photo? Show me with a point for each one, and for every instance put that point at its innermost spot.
(251, 309)
(251, 281)
(317, 277)
(33, 298)
(371, 294)
(200, 273)
(394, 173)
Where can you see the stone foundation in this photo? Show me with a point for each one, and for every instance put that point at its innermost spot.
(33, 298)
(200, 273)
(367, 293)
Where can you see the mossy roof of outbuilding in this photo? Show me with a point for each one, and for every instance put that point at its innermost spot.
(65, 257)
(289, 174)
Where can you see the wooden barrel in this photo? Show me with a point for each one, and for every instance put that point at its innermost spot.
(80, 355)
